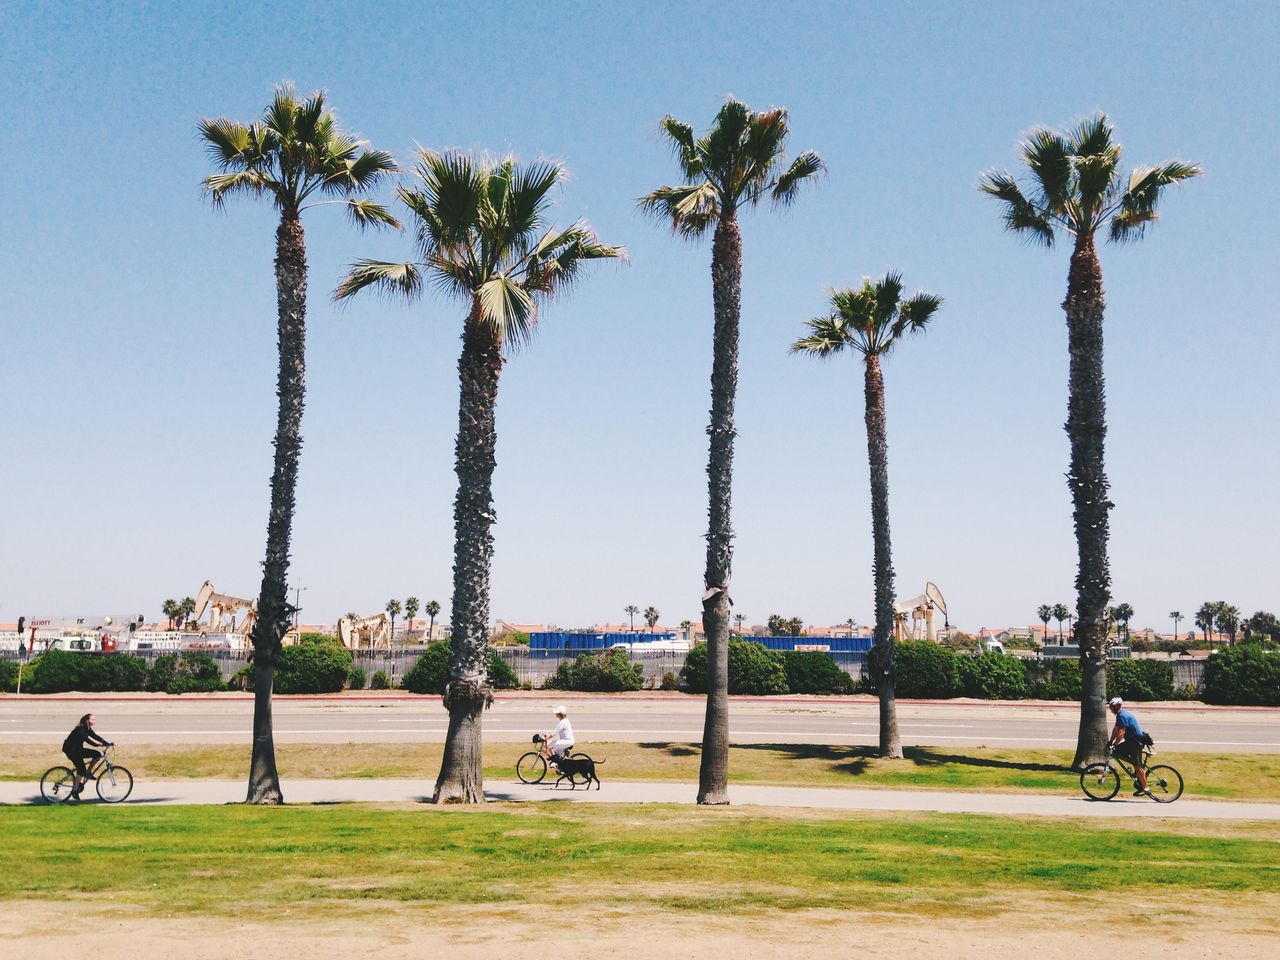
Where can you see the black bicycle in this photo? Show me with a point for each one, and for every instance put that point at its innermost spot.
(115, 783)
(1101, 780)
(532, 766)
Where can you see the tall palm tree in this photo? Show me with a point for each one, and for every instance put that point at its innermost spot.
(1175, 616)
(482, 237)
(393, 608)
(170, 609)
(1228, 620)
(651, 616)
(1205, 616)
(872, 320)
(411, 605)
(736, 165)
(432, 610)
(1123, 613)
(1060, 612)
(295, 155)
(1077, 188)
(631, 610)
(1045, 613)
(185, 609)
(739, 618)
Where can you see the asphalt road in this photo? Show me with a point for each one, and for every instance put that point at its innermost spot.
(630, 719)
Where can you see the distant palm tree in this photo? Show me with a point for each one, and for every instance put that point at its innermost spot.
(393, 608)
(1205, 617)
(651, 616)
(1060, 612)
(631, 610)
(171, 610)
(1077, 189)
(185, 609)
(1122, 613)
(352, 615)
(684, 626)
(294, 155)
(736, 165)
(410, 610)
(432, 610)
(1045, 613)
(871, 321)
(483, 236)
(1228, 620)
(1175, 616)
(738, 618)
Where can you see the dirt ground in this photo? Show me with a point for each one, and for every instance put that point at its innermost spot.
(1043, 929)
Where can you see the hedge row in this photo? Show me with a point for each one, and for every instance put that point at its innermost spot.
(1247, 675)
(62, 671)
(431, 672)
(755, 669)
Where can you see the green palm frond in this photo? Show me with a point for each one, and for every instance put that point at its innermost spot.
(691, 208)
(916, 313)
(1096, 176)
(1049, 158)
(1020, 215)
(827, 336)
(804, 167)
(366, 213)
(681, 137)
(1138, 205)
(509, 309)
(1092, 137)
(395, 279)
(227, 142)
(870, 319)
(452, 188)
(220, 186)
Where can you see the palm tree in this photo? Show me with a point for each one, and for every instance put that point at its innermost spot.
(432, 610)
(1060, 612)
(738, 618)
(1175, 616)
(1228, 619)
(171, 609)
(185, 609)
(631, 610)
(411, 610)
(1077, 188)
(736, 165)
(872, 321)
(294, 155)
(393, 608)
(1205, 616)
(483, 237)
(651, 616)
(1045, 613)
(684, 626)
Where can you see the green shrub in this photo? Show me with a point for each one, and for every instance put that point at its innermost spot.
(324, 639)
(1188, 691)
(670, 681)
(1140, 679)
(1246, 675)
(811, 671)
(924, 669)
(607, 671)
(9, 675)
(60, 671)
(242, 679)
(312, 668)
(431, 672)
(753, 669)
(187, 672)
(992, 676)
(500, 673)
(355, 679)
(381, 680)
(1054, 679)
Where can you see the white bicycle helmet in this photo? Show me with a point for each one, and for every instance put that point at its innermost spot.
(1115, 702)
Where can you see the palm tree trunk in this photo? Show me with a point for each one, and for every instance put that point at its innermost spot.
(726, 289)
(273, 602)
(468, 691)
(882, 564)
(1087, 479)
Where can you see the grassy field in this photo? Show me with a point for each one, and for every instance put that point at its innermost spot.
(199, 859)
(1227, 776)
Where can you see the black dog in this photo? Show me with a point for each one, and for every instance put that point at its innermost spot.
(579, 765)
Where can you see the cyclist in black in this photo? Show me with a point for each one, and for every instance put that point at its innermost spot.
(77, 752)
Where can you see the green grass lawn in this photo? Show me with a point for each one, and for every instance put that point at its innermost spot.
(347, 857)
(1228, 776)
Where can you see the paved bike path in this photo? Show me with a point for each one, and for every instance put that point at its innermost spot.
(823, 798)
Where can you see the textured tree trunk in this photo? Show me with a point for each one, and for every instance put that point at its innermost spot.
(882, 564)
(273, 603)
(726, 288)
(468, 691)
(1087, 479)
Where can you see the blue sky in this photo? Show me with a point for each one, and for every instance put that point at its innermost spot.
(138, 326)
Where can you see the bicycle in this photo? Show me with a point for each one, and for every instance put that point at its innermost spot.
(532, 766)
(114, 783)
(1100, 780)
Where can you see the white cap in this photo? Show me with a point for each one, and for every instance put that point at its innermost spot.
(1115, 702)
(560, 710)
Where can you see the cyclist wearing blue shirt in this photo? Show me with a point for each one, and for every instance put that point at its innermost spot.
(1127, 741)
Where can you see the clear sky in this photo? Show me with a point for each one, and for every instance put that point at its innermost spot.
(138, 326)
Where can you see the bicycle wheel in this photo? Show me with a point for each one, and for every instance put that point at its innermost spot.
(56, 784)
(531, 767)
(114, 784)
(1100, 781)
(1164, 783)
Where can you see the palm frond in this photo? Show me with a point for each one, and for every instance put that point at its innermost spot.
(1020, 215)
(803, 167)
(1096, 176)
(453, 188)
(1138, 205)
(367, 213)
(1049, 158)
(691, 209)
(827, 336)
(220, 186)
(395, 279)
(1092, 137)
(508, 309)
(886, 294)
(227, 142)
(682, 143)
(916, 312)
(281, 115)
(527, 200)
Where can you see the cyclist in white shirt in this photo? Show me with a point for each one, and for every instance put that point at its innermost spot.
(560, 740)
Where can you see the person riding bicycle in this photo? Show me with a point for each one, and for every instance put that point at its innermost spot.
(77, 752)
(1127, 740)
(560, 740)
